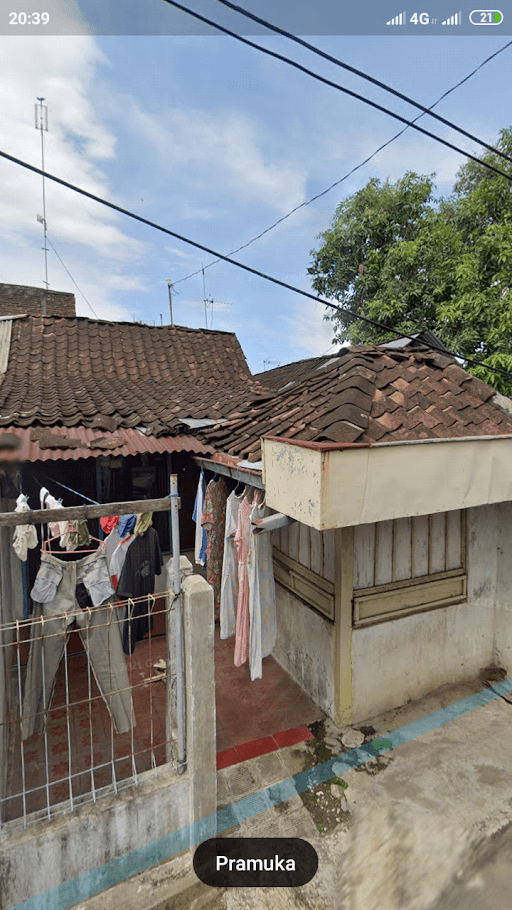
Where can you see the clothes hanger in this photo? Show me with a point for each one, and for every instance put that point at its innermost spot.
(45, 549)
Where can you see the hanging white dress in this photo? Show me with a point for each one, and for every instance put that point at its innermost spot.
(229, 581)
(262, 595)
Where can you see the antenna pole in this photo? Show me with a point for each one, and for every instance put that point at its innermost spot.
(41, 113)
(169, 285)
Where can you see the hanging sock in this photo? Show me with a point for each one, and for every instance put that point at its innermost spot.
(25, 536)
(144, 521)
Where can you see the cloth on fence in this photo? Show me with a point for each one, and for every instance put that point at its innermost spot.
(143, 562)
(76, 535)
(242, 540)
(229, 581)
(214, 521)
(201, 539)
(56, 528)
(116, 549)
(56, 607)
(25, 536)
(109, 523)
(126, 525)
(143, 522)
(262, 595)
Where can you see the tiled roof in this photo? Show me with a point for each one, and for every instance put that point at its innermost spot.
(65, 371)
(367, 394)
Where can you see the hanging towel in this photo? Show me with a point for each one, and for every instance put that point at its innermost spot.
(25, 536)
(242, 540)
(229, 582)
(126, 525)
(197, 516)
(108, 524)
(143, 522)
(214, 520)
(262, 595)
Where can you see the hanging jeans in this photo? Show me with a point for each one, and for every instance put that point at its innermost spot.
(59, 590)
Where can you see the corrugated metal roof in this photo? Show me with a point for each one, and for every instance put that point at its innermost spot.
(122, 442)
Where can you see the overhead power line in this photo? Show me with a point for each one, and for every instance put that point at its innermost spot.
(241, 265)
(352, 171)
(351, 69)
(335, 85)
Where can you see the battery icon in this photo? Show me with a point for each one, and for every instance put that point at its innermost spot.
(486, 17)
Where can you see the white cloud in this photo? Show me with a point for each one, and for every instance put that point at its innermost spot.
(223, 151)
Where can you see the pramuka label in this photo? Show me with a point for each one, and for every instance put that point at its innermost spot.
(255, 862)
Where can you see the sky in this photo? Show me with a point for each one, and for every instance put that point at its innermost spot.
(215, 141)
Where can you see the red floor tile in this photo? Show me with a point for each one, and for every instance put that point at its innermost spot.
(227, 758)
(292, 737)
(256, 747)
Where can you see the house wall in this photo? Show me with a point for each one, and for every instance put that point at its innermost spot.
(83, 852)
(403, 659)
(503, 610)
(16, 299)
(305, 640)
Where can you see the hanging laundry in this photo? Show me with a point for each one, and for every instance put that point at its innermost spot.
(55, 528)
(214, 522)
(242, 540)
(25, 536)
(143, 561)
(262, 595)
(62, 593)
(109, 523)
(126, 525)
(76, 535)
(201, 538)
(229, 581)
(118, 558)
(144, 521)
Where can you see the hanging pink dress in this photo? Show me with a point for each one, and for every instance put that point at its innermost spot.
(242, 540)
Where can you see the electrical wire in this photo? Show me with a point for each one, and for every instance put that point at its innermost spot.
(70, 275)
(338, 87)
(357, 167)
(241, 265)
(351, 69)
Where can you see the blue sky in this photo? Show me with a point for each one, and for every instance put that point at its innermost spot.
(216, 141)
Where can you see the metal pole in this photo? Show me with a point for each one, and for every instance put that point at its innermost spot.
(169, 285)
(178, 626)
(43, 126)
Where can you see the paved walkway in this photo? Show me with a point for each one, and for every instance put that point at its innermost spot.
(426, 828)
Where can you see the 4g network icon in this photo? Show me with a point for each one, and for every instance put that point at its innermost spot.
(415, 19)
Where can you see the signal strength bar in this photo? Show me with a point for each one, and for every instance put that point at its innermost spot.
(398, 20)
(456, 19)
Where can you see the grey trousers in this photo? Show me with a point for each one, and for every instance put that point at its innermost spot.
(55, 610)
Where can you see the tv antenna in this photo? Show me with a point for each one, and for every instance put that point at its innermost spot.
(41, 123)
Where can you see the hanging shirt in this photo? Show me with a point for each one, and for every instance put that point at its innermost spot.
(25, 536)
(117, 557)
(229, 582)
(262, 595)
(242, 539)
(143, 561)
(214, 521)
(126, 525)
(197, 516)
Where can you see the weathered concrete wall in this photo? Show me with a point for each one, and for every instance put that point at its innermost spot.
(503, 610)
(304, 648)
(405, 658)
(51, 852)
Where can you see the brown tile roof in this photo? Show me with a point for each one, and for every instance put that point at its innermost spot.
(367, 394)
(104, 375)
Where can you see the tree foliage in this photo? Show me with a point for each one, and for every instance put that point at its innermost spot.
(397, 255)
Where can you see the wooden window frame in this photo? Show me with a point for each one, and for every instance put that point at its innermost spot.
(312, 589)
(383, 603)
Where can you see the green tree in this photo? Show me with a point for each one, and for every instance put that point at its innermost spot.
(395, 254)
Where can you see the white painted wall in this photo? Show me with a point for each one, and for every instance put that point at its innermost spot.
(403, 659)
(304, 648)
(503, 610)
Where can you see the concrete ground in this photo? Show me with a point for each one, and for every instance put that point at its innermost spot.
(427, 827)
